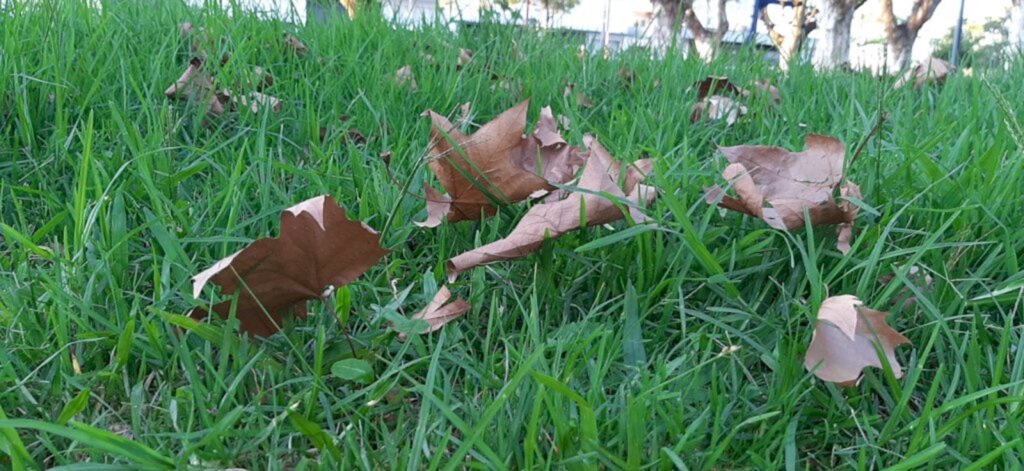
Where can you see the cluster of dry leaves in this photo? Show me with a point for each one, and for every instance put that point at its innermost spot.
(198, 86)
(569, 188)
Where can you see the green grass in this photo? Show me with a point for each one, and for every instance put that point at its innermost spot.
(674, 348)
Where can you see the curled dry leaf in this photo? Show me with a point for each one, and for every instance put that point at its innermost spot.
(718, 108)
(440, 312)
(318, 247)
(931, 71)
(714, 103)
(496, 165)
(196, 85)
(404, 77)
(601, 174)
(712, 85)
(790, 182)
(295, 46)
(845, 339)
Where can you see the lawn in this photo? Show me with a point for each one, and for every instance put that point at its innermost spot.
(676, 347)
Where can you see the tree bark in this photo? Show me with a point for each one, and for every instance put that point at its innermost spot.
(901, 36)
(835, 19)
(675, 13)
(789, 39)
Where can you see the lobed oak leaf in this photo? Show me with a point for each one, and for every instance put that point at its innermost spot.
(496, 165)
(790, 183)
(318, 247)
(587, 207)
(440, 312)
(845, 339)
(930, 71)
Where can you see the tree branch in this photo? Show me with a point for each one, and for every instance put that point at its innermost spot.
(776, 38)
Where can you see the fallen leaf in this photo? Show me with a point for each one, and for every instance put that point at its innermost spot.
(404, 77)
(257, 101)
(916, 275)
(790, 183)
(712, 85)
(845, 339)
(717, 108)
(546, 153)
(496, 165)
(764, 87)
(438, 313)
(581, 99)
(196, 85)
(465, 57)
(259, 79)
(294, 45)
(931, 71)
(627, 75)
(601, 174)
(317, 247)
(462, 118)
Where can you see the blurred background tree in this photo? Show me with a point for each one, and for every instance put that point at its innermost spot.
(982, 46)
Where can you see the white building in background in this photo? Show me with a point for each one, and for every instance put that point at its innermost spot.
(622, 23)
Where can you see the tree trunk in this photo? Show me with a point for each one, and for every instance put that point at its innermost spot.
(676, 14)
(667, 24)
(1017, 25)
(322, 10)
(901, 46)
(835, 18)
(901, 36)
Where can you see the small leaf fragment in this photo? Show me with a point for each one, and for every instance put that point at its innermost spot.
(440, 312)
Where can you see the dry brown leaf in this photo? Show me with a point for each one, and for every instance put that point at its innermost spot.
(581, 99)
(845, 338)
(465, 57)
(259, 79)
(764, 87)
(196, 85)
(496, 165)
(546, 153)
(716, 108)
(317, 247)
(464, 114)
(712, 85)
(404, 77)
(601, 173)
(790, 182)
(915, 274)
(438, 313)
(931, 71)
(257, 101)
(295, 45)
